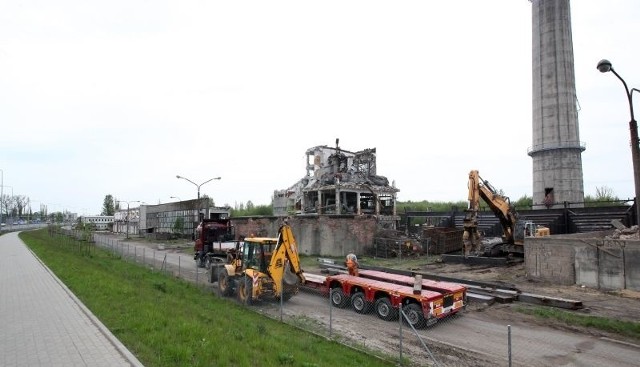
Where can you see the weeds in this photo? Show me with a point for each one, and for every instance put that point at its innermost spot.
(624, 328)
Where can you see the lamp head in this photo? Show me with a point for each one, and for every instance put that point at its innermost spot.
(178, 176)
(604, 66)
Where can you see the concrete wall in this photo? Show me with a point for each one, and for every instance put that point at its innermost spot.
(316, 235)
(584, 259)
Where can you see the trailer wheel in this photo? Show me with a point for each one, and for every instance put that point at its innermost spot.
(225, 283)
(359, 303)
(415, 315)
(385, 310)
(338, 298)
(245, 290)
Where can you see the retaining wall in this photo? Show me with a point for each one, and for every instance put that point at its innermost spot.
(316, 235)
(588, 259)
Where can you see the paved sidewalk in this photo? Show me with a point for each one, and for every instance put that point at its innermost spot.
(42, 323)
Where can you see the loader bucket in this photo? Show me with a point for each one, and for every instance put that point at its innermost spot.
(290, 278)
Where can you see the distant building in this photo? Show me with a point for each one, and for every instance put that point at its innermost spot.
(127, 220)
(100, 222)
(339, 182)
(181, 217)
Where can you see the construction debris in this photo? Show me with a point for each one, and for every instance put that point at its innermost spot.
(390, 243)
(624, 234)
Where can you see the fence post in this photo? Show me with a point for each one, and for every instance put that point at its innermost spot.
(330, 312)
(400, 330)
(509, 342)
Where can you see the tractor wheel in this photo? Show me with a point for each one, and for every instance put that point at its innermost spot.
(385, 310)
(225, 282)
(245, 290)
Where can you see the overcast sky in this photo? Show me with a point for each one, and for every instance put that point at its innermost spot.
(118, 97)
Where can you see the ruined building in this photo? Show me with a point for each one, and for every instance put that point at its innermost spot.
(339, 182)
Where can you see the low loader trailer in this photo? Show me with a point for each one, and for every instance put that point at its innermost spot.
(454, 294)
(385, 295)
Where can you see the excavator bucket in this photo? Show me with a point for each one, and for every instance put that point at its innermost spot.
(290, 278)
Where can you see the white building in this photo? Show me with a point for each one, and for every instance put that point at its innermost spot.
(127, 221)
(101, 222)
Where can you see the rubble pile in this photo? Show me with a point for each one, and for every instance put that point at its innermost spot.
(625, 234)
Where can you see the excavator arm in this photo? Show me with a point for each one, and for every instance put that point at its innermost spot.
(285, 261)
(499, 204)
(501, 207)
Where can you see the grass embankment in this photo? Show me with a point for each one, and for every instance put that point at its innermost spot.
(169, 322)
(624, 328)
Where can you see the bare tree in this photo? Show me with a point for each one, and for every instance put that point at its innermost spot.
(21, 203)
(604, 193)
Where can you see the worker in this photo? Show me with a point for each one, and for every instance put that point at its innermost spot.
(352, 264)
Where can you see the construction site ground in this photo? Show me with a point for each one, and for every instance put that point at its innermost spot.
(487, 321)
(619, 304)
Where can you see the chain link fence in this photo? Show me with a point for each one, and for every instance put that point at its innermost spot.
(469, 338)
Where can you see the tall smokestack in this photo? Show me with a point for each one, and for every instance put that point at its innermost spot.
(556, 150)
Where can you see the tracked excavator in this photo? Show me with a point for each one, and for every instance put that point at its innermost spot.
(261, 268)
(514, 230)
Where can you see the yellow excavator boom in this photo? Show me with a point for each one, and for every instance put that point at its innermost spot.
(284, 266)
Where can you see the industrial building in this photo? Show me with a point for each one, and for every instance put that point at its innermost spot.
(339, 182)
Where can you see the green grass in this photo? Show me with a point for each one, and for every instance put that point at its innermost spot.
(624, 328)
(170, 322)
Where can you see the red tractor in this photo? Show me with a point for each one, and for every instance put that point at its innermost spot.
(213, 237)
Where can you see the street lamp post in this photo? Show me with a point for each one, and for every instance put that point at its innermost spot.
(606, 66)
(1, 194)
(198, 186)
(123, 201)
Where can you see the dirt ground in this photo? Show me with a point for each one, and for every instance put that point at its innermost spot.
(621, 305)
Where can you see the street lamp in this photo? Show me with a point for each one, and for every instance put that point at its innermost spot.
(123, 201)
(1, 194)
(174, 197)
(605, 66)
(198, 186)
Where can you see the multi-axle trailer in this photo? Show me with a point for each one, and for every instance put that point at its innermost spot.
(423, 301)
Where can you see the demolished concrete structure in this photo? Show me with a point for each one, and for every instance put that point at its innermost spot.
(339, 182)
